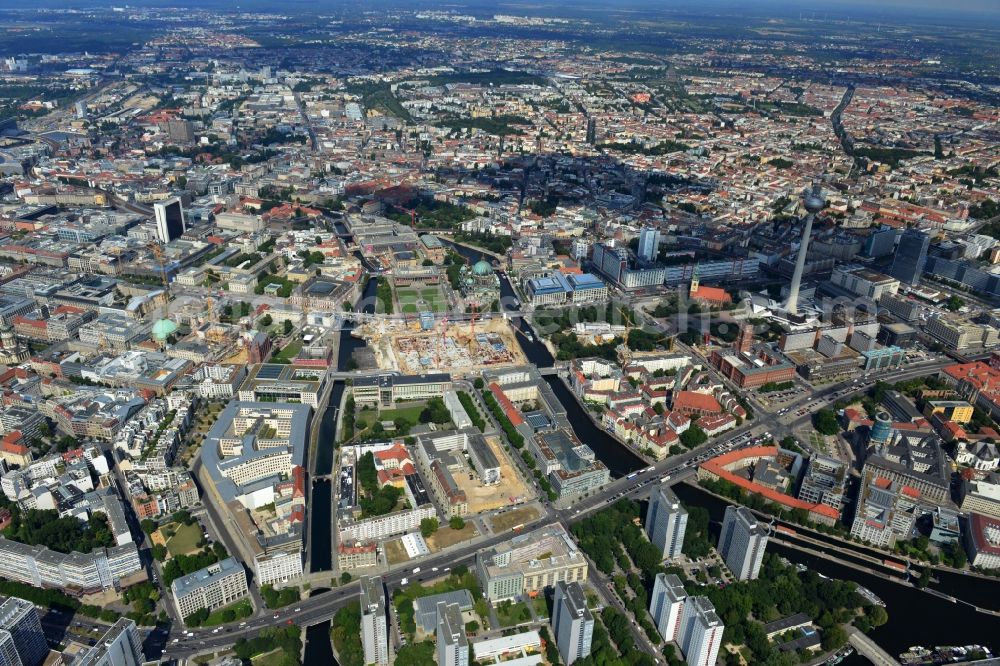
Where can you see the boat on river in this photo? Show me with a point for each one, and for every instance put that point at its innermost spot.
(918, 655)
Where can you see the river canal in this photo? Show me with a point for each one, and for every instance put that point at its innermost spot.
(321, 511)
(915, 617)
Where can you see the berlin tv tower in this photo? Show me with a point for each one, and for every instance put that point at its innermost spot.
(814, 202)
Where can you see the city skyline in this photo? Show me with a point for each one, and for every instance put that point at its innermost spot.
(396, 333)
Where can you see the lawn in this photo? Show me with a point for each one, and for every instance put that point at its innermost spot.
(445, 536)
(411, 414)
(512, 518)
(364, 418)
(430, 298)
(272, 658)
(288, 353)
(541, 608)
(241, 609)
(185, 539)
(285, 285)
(513, 614)
(818, 442)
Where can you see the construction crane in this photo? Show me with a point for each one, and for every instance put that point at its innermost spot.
(412, 212)
(163, 327)
(441, 341)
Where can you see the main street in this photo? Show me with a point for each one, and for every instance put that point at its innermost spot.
(324, 604)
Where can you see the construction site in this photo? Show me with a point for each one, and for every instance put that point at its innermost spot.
(483, 497)
(459, 348)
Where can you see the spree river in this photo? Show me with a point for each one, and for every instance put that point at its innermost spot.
(321, 511)
(915, 617)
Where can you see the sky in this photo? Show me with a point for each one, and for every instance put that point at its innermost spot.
(889, 8)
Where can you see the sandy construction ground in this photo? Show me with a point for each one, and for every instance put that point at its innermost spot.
(509, 491)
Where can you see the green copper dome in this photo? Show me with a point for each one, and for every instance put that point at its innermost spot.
(163, 329)
(482, 267)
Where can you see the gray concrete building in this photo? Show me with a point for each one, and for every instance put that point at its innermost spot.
(666, 522)
(572, 622)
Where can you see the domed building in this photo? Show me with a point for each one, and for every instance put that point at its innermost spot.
(11, 350)
(479, 284)
(482, 268)
(163, 329)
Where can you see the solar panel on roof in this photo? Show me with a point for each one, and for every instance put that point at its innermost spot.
(270, 371)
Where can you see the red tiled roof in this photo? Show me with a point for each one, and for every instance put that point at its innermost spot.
(978, 524)
(11, 443)
(693, 400)
(512, 413)
(718, 465)
(712, 294)
(397, 452)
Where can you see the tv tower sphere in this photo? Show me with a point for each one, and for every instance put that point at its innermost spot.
(813, 199)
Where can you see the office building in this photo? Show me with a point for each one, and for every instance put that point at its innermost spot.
(886, 510)
(169, 219)
(278, 566)
(8, 651)
(425, 609)
(982, 496)
(897, 335)
(452, 644)
(572, 622)
(120, 646)
(530, 563)
(667, 605)
(19, 620)
(649, 243)
(180, 130)
(912, 459)
(213, 587)
(374, 627)
(825, 482)
(700, 634)
(742, 542)
(911, 256)
(880, 242)
(74, 573)
(982, 541)
(666, 521)
(385, 390)
(612, 263)
(864, 282)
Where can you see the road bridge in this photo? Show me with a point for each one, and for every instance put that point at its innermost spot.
(869, 649)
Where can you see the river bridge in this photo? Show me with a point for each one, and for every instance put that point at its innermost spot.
(869, 649)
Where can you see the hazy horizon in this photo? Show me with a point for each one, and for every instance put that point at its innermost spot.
(901, 8)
